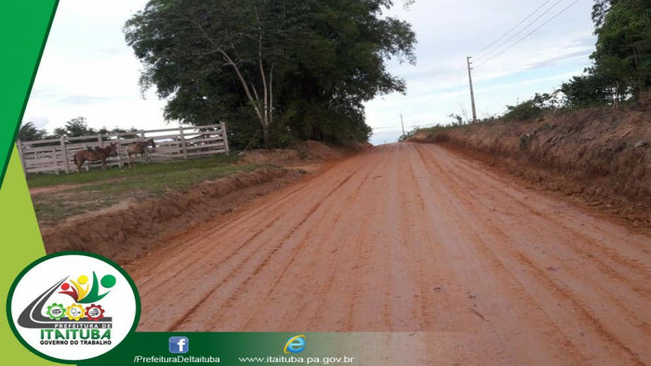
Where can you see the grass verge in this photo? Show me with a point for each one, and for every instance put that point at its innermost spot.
(141, 170)
(101, 189)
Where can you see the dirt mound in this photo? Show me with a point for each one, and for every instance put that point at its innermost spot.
(127, 234)
(419, 137)
(319, 151)
(599, 154)
(275, 157)
(361, 146)
(309, 151)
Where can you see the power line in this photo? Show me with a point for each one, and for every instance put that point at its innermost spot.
(516, 26)
(530, 33)
(521, 30)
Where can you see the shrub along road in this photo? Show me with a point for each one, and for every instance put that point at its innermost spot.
(413, 238)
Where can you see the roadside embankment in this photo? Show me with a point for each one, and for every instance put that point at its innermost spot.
(124, 235)
(600, 156)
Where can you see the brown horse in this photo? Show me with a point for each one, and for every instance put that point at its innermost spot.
(139, 148)
(99, 153)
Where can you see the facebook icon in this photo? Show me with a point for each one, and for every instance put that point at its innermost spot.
(179, 345)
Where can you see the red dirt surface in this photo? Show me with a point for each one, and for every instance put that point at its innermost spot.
(414, 238)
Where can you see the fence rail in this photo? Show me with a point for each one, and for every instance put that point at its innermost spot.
(55, 155)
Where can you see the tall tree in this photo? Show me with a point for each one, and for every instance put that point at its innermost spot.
(29, 132)
(622, 58)
(268, 60)
(623, 51)
(339, 64)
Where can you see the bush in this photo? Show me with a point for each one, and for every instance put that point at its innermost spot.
(407, 135)
(532, 108)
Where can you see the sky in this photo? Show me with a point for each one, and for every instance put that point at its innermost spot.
(88, 70)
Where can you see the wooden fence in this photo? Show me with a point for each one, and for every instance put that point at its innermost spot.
(55, 155)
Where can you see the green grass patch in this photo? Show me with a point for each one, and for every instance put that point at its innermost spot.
(113, 173)
(100, 189)
(52, 208)
(155, 184)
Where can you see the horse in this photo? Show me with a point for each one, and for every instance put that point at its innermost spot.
(139, 148)
(99, 153)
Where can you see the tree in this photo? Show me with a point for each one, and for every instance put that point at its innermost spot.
(622, 58)
(74, 128)
(340, 65)
(29, 132)
(274, 62)
(586, 91)
(59, 131)
(78, 127)
(122, 130)
(623, 50)
(599, 11)
(221, 42)
(532, 108)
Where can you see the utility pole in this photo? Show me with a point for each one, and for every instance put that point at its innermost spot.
(403, 124)
(472, 93)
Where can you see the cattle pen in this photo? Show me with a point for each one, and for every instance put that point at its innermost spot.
(185, 142)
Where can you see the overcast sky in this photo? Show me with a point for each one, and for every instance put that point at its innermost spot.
(87, 69)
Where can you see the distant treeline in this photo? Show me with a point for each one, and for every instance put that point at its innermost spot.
(73, 128)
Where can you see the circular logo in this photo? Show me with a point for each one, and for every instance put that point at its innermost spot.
(72, 306)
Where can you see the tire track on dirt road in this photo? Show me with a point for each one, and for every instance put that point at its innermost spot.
(600, 274)
(557, 287)
(254, 251)
(162, 272)
(496, 293)
(417, 239)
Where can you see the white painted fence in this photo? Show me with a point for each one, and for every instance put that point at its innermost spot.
(55, 155)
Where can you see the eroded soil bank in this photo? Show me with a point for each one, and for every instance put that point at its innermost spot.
(126, 234)
(598, 156)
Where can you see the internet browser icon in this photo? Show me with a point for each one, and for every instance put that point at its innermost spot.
(295, 344)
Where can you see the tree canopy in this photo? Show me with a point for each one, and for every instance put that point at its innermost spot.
(622, 59)
(74, 128)
(275, 70)
(29, 132)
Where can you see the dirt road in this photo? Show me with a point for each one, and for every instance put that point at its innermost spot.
(413, 238)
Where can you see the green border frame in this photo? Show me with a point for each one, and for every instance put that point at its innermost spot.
(62, 254)
(17, 24)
